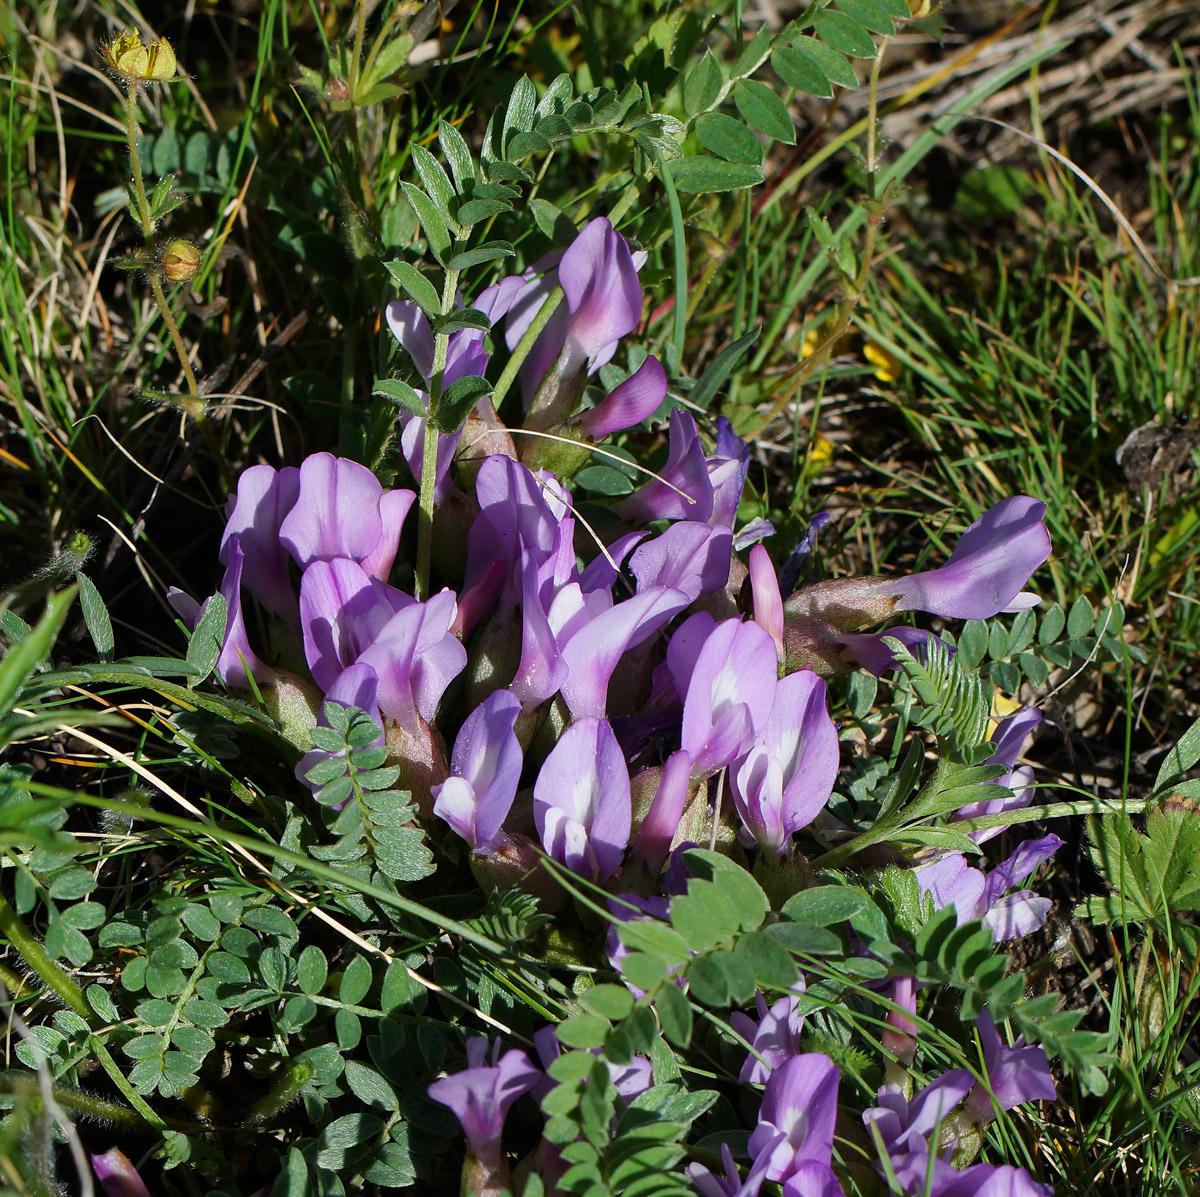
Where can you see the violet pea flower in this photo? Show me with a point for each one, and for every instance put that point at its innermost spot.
(264, 497)
(581, 801)
(629, 1080)
(1015, 1074)
(976, 895)
(481, 1095)
(485, 769)
(729, 694)
(688, 556)
(782, 783)
(922, 1175)
(682, 491)
(732, 1185)
(603, 302)
(117, 1175)
(905, 1127)
(984, 576)
(652, 844)
(1009, 737)
(768, 602)
(628, 403)
(341, 510)
(465, 355)
(799, 1104)
(775, 1038)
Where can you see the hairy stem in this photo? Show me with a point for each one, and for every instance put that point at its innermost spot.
(441, 343)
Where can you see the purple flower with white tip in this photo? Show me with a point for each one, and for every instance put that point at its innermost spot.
(729, 694)
(977, 895)
(628, 403)
(481, 1094)
(768, 602)
(796, 1121)
(485, 769)
(984, 576)
(117, 1175)
(783, 782)
(581, 801)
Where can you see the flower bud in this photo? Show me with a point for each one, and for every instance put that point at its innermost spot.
(135, 62)
(180, 260)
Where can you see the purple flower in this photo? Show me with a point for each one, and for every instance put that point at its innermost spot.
(481, 1094)
(1015, 1074)
(630, 402)
(342, 511)
(348, 617)
(264, 497)
(733, 1185)
(976, 895)
(581, 801)
(652, 844)
(984, 575)
(768, 602)
(117, 1175)
(923, 1175)
(692, 486)
(1009, 738)
(905, 1127)
(775, 1038)
(629, 1080)
(729, 694)
(782, 783)
(236, 659)
(466, 355)
(598, 275)
(689, 556)
(356, 686)
(796, 1120)
(519, 512)
(484, 771)
(868, 650)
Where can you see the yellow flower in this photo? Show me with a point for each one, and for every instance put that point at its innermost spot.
(888, 366)
(136, 62)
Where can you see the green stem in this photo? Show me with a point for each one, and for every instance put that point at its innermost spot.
(21, 1084)
(34, 955)
(513, 366)
(71, 996)
(131, 136)
(441, 343)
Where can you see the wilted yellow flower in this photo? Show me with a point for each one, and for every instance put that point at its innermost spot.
(180, 260)
(137, 62)
(920, 8)
(888, 366)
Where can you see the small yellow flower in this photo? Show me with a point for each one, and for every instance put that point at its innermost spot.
(888, 366)
(136, 62)
(919, 8)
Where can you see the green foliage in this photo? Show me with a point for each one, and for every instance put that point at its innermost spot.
(377, 836)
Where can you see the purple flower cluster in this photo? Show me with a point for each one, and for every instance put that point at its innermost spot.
(603, 692)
